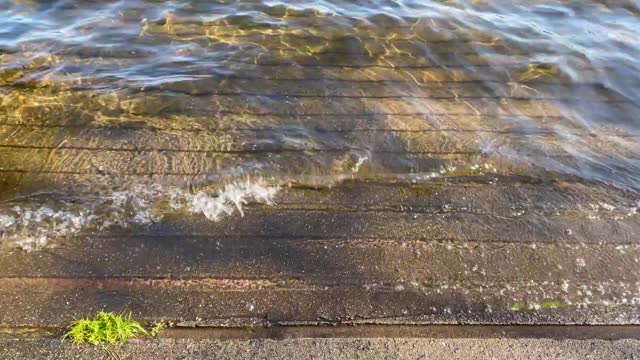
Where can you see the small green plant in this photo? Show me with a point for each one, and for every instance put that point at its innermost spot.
(105, 329)
(155, 330)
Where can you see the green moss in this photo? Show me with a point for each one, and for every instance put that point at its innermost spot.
(105, 329)
(519, 307)
(422, 190)
(554, 305)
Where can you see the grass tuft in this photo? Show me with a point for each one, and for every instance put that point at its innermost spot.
(105, 329)
(155, 330)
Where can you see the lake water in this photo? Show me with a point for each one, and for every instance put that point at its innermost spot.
(113, 113)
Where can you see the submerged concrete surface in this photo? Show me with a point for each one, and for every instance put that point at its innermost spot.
(378, 348)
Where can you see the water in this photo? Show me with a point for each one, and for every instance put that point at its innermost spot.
(107, 108)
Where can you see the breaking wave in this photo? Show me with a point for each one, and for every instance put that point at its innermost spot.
(31, 226)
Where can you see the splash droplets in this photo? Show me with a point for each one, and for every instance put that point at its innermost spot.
(30, 227)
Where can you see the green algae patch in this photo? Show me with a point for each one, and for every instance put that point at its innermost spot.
(519, 307)
(105, 329)
(554, 305)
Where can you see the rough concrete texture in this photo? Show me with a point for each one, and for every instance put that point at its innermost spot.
(378, 348)
(516, 253)
(424, 175)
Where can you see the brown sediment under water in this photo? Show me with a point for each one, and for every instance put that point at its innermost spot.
(117, 114)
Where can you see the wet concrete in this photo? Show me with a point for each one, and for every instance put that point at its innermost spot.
(356, 253)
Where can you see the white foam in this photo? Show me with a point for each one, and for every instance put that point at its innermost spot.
(30, 227)
(359, 163)
(6, 221)
(233, 197)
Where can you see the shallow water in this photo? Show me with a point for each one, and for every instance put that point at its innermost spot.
(100, 99)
